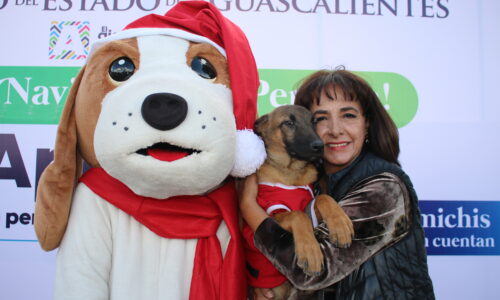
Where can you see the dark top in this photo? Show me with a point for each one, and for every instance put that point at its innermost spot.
(387, 259)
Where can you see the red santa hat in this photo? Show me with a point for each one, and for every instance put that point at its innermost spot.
(202, 22)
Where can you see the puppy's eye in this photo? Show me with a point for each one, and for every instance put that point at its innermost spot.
(121, 69)
(203, 68)
(289, 123)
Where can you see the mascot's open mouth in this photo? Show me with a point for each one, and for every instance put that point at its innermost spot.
(166, 152)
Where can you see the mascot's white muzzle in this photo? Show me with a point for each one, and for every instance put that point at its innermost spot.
(161, 136)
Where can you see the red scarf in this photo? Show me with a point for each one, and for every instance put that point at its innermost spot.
(188, 217)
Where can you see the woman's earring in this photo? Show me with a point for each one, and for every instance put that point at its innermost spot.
(367, 140)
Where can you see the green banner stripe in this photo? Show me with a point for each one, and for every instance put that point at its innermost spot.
(396, 92)
(36, 95)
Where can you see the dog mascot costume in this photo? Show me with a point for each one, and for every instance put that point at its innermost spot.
(161, 112)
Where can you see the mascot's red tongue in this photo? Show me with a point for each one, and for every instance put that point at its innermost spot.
(166, 155)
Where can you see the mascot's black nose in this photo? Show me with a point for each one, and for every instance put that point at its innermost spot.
(317, 146)
(164, 111)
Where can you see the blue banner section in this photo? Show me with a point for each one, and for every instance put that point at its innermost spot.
(461, 227)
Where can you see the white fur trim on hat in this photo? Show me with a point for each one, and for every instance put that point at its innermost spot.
(135, 32)
(250, 153)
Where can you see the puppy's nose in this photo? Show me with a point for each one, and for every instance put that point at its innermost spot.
(317, 146)
(164, 111)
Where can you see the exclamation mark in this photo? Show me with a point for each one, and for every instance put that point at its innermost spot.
(386, 96)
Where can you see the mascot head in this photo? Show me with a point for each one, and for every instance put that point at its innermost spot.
(165, 106)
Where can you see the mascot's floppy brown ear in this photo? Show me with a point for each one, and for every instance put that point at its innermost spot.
(58, 180)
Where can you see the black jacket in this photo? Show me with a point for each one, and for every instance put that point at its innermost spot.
(387, 259)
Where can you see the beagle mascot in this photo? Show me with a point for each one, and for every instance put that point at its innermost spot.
(162, 113)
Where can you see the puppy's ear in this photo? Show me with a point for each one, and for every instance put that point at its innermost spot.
(260, 124)
(58, 180)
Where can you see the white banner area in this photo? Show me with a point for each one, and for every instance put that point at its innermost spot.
(433, 63)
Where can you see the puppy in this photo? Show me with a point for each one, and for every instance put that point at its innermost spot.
(292, 148)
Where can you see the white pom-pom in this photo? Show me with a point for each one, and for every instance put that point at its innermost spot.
(250, 153)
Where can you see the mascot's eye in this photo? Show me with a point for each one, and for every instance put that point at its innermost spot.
(121, 69)
(203, 68)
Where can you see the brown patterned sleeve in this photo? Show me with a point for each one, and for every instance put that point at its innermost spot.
(379, 209)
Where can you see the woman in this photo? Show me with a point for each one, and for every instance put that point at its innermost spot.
(387, 258)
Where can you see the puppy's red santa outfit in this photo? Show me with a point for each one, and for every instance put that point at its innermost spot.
(273, 198)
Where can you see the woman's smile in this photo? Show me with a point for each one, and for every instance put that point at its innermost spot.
(337, 146)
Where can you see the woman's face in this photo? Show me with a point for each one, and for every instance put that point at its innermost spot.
(342, 127)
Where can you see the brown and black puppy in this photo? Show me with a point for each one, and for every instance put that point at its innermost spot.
(292, 148)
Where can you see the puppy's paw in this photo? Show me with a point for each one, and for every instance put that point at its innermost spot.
(341, 230)
(309, 257)
(338, 222)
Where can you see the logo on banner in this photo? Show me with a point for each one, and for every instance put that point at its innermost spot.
(461, 227)
(69, 40)
(105, 32)
(397, 93)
